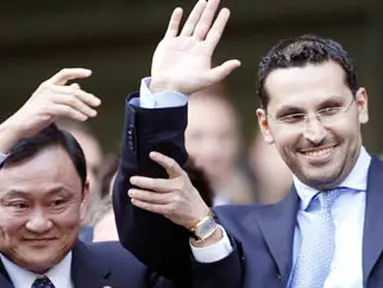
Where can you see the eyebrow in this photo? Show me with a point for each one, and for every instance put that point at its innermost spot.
(285, 109)
(24, 194)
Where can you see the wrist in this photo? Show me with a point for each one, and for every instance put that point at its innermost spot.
(215, 237)
(156, 87)
(205, 230)
(9, 135)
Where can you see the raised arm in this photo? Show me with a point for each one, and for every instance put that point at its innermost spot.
(182, 65)
(52, 99)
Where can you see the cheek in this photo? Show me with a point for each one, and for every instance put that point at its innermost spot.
(10, 225)
(285, 140)
(68, 220)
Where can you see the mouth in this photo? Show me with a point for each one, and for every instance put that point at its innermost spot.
(318, 154)
(39, 241)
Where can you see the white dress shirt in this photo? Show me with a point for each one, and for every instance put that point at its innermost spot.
(59, 275)
(348, 210)
(348, 215)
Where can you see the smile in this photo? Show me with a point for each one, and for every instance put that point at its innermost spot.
(319, 154)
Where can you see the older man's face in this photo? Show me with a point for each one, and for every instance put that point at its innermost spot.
(42, 201)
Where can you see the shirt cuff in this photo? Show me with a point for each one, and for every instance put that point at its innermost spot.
(214, 252)
(164, 99)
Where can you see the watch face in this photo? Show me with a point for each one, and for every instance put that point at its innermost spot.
(206, 228)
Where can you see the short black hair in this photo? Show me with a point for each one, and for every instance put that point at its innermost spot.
(28, 147)
(300, 51)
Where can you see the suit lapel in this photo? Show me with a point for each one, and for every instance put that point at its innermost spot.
(373, 228)
(277, 223)
(5, 282)
(88, 270)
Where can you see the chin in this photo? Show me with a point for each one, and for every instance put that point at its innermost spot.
(322, 181)
(37, 264)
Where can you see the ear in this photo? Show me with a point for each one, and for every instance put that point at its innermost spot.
(361, 99)
(85, 200)
(264, 125)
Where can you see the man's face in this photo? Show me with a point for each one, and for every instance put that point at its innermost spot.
(41, 206)
(320, 153)
(211, 138)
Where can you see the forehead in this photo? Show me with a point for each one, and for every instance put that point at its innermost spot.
(307, 85)
(48, 169)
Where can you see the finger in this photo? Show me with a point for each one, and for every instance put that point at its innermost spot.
(75, 86)
(193, 18)
(73, 89)
(155, 208)
(67, 111)
(206, 19)
(153, 184)
(220, 72)
(170, 165)
(75, 103)
(149, 196)
(174, 23)
(218, 27)
(67, 74)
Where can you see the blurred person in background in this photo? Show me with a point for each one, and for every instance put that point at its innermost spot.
(104, 222)
(94, 158)
(272, 176)
(213, 140)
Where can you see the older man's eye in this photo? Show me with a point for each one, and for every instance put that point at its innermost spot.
(57, 202)
(20, 205)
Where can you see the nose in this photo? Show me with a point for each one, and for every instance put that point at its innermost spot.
(314, 130)
(38, 223)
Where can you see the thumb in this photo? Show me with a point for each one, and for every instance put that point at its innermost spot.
(220, 72)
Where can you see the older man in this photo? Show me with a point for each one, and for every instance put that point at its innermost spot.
(43, 195)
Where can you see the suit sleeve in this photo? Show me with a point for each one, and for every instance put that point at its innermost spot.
(158, 243)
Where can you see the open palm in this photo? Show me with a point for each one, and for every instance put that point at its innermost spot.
(182, 61)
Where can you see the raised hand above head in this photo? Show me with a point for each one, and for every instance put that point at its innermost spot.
(182, 60)
(52, 99)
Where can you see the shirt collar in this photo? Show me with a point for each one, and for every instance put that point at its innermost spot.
(59, 275)
(356, 180)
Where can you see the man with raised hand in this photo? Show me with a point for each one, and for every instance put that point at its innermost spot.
(44, 193)
(326, 232)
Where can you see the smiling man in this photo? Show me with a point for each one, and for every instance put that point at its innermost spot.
(326, 232)
(44, 191)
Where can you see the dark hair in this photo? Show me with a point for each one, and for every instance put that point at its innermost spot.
(300, 51)
(28, 147)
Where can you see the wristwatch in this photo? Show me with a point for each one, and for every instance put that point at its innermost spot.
(204, 228)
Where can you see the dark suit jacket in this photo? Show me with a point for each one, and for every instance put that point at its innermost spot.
(262, 235)
(104, 264)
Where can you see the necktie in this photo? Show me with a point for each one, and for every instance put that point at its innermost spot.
(42, 282)
(318, 244)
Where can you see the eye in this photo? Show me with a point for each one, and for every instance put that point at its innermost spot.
(19, 205)
(57, 202)
(328, 111)
(292, 118)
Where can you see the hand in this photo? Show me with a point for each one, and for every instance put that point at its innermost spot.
(182, 62)
(174, 198)
(51, 99)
